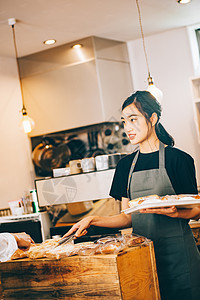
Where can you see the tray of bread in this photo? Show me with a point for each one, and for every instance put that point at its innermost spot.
(51, 249)
(154, 201)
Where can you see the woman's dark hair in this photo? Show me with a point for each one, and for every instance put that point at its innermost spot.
(147, 105)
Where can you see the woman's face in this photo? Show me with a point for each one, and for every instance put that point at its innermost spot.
(136, 126)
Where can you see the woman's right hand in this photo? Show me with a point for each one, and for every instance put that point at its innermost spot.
(80, 227)
(23, 240)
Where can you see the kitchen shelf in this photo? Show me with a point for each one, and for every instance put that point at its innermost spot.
(74, 188)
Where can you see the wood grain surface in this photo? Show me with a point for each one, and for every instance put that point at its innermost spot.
(129, 275)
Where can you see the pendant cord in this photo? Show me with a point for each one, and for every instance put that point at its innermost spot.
(18, 71)
(142, 33)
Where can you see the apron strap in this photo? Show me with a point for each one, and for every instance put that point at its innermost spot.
(131, 172)
(161, 155)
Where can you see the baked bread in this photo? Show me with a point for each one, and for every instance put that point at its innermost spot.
(88, 250)
(132, 240)
(18, 254)
(140, 200)
(37, 252)
(112, 247)
(155, 198)
(60, 251)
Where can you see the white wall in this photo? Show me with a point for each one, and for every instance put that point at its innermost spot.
(171, 66)
(15, 156)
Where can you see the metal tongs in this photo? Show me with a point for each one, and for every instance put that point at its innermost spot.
(66, 239)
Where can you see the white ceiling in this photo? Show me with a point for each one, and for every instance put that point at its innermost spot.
(70, 20)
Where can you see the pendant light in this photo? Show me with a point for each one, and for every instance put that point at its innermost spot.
(183, 1)
(26, 122)
(157, 93)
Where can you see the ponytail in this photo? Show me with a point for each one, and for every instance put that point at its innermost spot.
(163, 135)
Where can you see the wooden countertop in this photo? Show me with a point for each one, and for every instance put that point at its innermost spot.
(194, 224)
(84, 277)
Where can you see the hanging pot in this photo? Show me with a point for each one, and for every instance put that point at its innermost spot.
(64, 152)
(77, 148)
(50, 159)
(46, 157)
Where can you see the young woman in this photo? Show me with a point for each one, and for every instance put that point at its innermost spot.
(156, 168)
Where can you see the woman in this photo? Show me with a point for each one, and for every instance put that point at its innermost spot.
(10, 242)
(156, 168)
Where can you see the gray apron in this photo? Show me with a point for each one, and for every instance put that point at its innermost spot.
(177, 256)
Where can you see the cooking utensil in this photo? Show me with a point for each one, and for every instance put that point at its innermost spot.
(93, 145)
(75, 166)
(88, 164)
(66, 239)
(64, 152)
(101, 162)
(77, 148)
(46, 157)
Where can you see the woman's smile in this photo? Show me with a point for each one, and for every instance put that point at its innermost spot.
(131, 136)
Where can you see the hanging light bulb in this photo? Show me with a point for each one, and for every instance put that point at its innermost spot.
(157, 93)
(183, 1)
(26, 122)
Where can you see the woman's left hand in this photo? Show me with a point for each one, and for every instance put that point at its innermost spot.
(173, 212)
(167, 211)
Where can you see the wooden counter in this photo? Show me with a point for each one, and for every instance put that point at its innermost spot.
(128, 275)
(195, 226)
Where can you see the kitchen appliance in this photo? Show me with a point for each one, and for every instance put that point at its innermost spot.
(61, 172)
(101, 162)
(88, 164)
(75, 166)
(37, 225)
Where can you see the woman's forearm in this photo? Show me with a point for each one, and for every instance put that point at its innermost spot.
(192, 213)
(117, 221)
